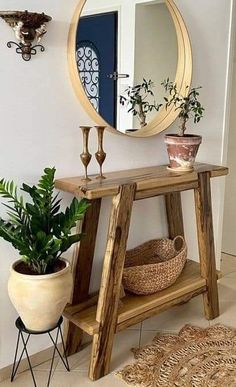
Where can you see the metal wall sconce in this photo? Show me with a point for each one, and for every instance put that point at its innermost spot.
(29, 28)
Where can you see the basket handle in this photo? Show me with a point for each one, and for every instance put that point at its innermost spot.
(179, 242)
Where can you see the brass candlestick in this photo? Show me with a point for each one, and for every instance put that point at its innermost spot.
(85, 156)
(100, 154)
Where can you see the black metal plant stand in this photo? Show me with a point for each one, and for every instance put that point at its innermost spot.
(25, 339)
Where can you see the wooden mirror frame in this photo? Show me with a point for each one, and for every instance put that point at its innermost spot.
(165, 117)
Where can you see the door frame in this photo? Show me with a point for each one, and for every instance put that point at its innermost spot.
(226, 123)
(98, 11)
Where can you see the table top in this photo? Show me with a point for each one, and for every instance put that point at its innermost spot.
(148, 178)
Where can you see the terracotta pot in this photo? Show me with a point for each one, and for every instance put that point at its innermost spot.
(182, 151)
(40, 299)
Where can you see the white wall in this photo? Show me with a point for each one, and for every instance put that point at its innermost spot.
(40, 116)
(156, 49)
(229, 224)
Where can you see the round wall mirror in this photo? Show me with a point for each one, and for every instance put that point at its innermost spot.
(120, 51)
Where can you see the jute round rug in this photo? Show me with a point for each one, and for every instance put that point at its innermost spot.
(196, 357)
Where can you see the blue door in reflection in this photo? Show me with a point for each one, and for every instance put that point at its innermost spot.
(96, 55)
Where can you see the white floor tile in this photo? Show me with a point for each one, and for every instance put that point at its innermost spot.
(25, 380)
(228, 264)
(227, 297)
(175, 318)
(227, 314)
(124, 341)
(227, 288)
(80, 378)
(78, 361)
(46, 365)
(136, 327)
(122, 354)
(147, 337)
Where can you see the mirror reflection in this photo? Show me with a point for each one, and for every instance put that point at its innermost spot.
(124, 50)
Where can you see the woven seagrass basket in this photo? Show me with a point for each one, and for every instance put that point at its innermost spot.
(154, 265)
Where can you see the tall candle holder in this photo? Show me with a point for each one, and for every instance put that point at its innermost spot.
(85, 156)
(100, 154)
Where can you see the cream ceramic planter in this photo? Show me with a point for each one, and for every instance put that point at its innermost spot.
(40, 299)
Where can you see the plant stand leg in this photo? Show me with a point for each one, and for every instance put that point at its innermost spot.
(62, 355)
(206, 244)
(25, 342)
(174, 214)
(17, 363)
(81, 270)
(53, 354)
(107, 309)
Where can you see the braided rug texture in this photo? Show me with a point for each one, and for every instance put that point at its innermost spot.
(196, 357)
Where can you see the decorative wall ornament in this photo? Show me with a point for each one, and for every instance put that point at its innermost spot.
(29, 28)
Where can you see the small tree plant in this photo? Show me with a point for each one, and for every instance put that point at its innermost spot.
(189, 107)
(136, 98)
(37, 229)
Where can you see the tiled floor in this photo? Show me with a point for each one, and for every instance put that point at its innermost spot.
(170, 321)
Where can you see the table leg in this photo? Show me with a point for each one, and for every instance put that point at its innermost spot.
(174, 214)
(81, 269)
(206, 244)
(111, 281)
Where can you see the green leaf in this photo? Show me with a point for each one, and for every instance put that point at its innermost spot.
(37, 229)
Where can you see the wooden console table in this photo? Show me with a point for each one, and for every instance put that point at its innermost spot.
(101, 316)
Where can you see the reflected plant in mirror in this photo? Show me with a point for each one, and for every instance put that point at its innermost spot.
(140, 100)
(189, 106)
(182, 147)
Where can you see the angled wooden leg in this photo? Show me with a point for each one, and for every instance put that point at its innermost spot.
(111, 281)
(81, 269)
(206, 244)
(174, 214)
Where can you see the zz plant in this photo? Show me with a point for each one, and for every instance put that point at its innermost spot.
(37, 229)
(189, 106)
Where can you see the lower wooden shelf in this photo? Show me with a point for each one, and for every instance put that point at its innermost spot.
(137, 308)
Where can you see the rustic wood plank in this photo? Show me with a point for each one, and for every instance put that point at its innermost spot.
(190, 281)
(111, 281)
(206, 244)
(81, 270)
(85, 251)
(135, 309)
(145, 178)
(174, 214)
(124, 324)
(73, 310)
(82, 310)
(149, 193)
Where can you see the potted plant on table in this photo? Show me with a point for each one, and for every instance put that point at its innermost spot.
(136, 98)
(182, 148)
(40, 281)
